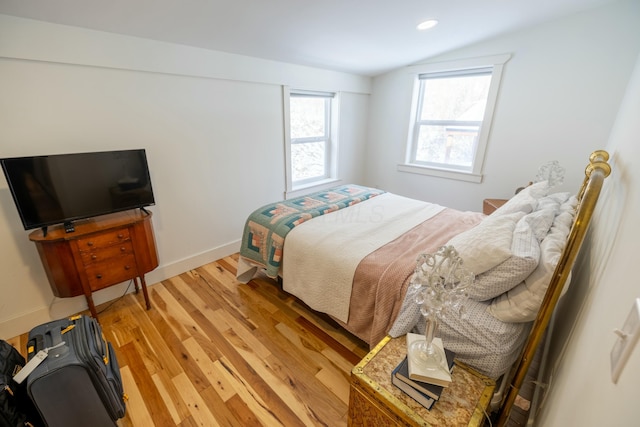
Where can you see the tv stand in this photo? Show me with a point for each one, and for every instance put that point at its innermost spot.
(103, 251)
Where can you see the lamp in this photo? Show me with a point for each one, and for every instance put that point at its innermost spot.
(440, 283)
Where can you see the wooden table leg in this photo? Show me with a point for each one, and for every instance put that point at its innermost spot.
(92, 306)
(144, 291)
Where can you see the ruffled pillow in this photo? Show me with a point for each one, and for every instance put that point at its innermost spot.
(525, 251)
(488, 243)
(525, 201)
(521, 304)
(545, 212)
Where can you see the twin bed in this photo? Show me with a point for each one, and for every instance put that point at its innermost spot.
(351, 251)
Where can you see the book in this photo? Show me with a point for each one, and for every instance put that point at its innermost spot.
(431, 390)
(441, 377)
(415, 394)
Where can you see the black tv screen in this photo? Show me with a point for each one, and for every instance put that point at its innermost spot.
(62, 188)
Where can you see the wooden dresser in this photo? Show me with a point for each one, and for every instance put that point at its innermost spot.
(101, 252)
(375, 401)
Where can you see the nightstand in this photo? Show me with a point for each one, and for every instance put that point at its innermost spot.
(375, 401)
(490, 205)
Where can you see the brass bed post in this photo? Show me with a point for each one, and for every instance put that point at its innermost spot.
(595, 173)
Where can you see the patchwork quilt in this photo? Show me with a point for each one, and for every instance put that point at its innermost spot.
(266, 228)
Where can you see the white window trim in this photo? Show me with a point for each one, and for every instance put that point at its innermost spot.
(316, 185)
(475, 175)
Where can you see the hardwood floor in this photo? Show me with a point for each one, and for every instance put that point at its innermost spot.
(212, 351)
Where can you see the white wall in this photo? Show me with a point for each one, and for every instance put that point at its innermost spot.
(604, 287)
(211, 123)
(66, 89)
(559, 96)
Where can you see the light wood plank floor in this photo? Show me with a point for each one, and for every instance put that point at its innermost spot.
(212, 351)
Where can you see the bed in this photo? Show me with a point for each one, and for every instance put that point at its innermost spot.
(351, 251)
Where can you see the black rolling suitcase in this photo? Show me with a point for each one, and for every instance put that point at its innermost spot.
(16, 408)
(78, 383)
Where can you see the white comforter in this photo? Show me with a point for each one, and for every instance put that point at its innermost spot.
(324, 280)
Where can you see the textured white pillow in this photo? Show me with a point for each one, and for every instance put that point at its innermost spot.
(521, 304)
(540, 221)
(525, 201)
(488, 243)
(525, 250)
(555, 200)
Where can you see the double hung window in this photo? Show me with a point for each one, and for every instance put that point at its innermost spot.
(311, 145)
(451, 116)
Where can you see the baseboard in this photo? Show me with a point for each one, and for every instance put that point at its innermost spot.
(63, 307)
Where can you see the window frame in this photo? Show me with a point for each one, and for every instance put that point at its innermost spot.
(296, 188)
(474, 173)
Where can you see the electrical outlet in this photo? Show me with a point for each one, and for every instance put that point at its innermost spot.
(627, 339)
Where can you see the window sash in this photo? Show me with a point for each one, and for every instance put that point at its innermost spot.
(482, 71)
(494, 62)
(324, 138)
(420, 123)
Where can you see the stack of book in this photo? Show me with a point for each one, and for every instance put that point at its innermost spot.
(423, 385)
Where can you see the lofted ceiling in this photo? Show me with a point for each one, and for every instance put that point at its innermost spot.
(365, 37)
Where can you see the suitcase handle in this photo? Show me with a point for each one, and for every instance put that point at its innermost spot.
(51, 338)
(35, 344)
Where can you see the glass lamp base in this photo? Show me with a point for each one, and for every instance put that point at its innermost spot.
(426, 355)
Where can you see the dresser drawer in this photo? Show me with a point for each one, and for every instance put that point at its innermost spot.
(105, 253)
(111, 271)
(104, 239)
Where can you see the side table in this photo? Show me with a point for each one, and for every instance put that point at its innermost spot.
(101, 252)
(490, 205)
(375, 401)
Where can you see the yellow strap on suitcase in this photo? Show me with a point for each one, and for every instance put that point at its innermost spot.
(67, 329)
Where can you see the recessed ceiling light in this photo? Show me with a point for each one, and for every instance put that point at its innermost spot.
(427, 24)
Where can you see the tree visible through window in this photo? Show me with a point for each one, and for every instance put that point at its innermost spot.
(310, 121)
(451, 115)
(451, 110)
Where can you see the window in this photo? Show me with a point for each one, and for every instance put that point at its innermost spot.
(311, 147)
(451, 116)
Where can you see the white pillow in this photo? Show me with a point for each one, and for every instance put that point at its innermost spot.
(525, 201)
(487, 244)
(521, 304)
(525, 250)
(540, 221)
(555, 199)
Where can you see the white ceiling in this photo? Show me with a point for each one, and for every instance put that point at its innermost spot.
(365, 37)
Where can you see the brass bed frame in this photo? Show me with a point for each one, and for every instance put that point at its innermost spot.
(595, 173)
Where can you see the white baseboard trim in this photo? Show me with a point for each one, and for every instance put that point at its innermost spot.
(63, 307)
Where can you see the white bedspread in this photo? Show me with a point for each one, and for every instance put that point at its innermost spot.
(324, 280)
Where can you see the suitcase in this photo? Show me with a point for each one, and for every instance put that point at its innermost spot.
(78, 383)
(16, 408)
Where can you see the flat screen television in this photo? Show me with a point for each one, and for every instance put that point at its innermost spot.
(61, 188)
